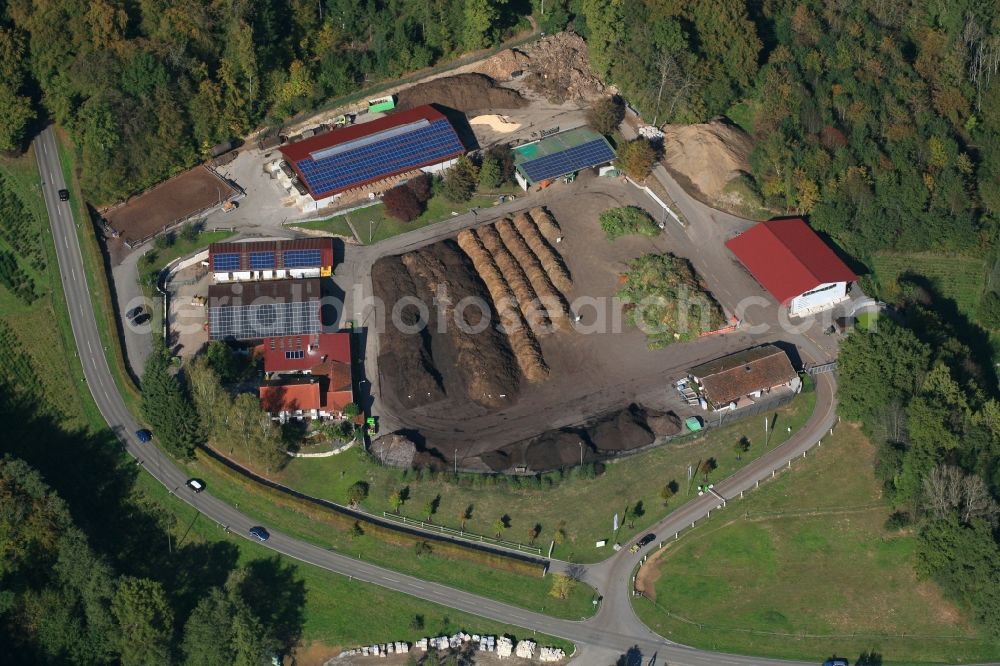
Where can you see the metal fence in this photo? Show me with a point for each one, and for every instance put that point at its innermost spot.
(461, 534)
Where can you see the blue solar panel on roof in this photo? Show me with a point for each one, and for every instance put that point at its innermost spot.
(229, 261)
(259, 260)
(435, 142)
(300, 258)
(567, 161)
(253, 322)
(370, 139)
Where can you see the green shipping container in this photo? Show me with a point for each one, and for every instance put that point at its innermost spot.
(381, 104)
(693, 423)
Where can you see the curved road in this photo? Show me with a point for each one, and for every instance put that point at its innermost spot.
(612, 632)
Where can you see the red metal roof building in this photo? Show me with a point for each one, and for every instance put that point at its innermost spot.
(301, 353)
(291, 398)
(358, 155)
(793, 263)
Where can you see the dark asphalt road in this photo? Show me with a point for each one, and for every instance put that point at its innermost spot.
(614, 630)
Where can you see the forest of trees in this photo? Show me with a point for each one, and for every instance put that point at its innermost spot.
(146, 87)
(876, 117)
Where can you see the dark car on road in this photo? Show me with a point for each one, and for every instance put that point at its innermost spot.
(63, 195)
(646, 540)
(134, 312)
(836, 662)
(259, 533)
(144, 435)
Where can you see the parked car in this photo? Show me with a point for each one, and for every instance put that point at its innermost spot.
(836, 661)
(63, 195)
(144, 436)
(259, 533)
(196, 485)
(134, 312)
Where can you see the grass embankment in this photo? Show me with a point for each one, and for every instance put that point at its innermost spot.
(959, 278)
(373, 225)
(156, 259)
(583, 508)
(325, 528)
(337, 611)
(804, 568)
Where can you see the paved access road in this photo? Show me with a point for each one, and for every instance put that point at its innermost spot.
(614, 631)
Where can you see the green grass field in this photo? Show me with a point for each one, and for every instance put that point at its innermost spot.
(959, 278)
(585, 508)
(373, 225)
(333, 614)
(156, 260)
(804, 569)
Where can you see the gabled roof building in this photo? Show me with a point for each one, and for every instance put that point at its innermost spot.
(271, 260)
(794, 264)
(329, 164)
(732, 381)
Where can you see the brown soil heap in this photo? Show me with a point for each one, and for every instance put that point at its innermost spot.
(444, 276)
(708, 156)
(526, 350)
(548, 295)
(551, 262)
(395, 449)
(502, 66)
(406, 359)
(469, 93)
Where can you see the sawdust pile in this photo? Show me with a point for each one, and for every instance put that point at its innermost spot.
(501, 124)
(707, 156)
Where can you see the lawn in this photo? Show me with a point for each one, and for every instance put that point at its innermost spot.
(156, 259)
(42, 332)
(373, 225)
(584, 508)
(804, 568)
(959, 278)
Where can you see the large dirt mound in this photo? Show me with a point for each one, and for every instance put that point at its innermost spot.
(469, 93)
(557, 68)
(708, 155)
(443, 357)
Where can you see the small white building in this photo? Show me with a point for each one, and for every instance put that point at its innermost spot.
(793, 263)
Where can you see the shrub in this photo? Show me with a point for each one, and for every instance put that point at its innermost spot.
(897, 520)
(606, 114)
(636, 158)
(619, 222)
(422, 186)
(489, 173)
(989, 310)
(401, 203)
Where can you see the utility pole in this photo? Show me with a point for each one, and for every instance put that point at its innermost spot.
(456, 461)
(581, 454)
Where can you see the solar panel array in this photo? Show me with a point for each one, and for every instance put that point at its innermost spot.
(368, 140)
(300, 258)
(252, 322)
(229, 261)
(425, 145)
(259, 260)
(567, 161)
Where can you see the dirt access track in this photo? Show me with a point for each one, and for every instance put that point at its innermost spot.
(596, 369)
(175, 200)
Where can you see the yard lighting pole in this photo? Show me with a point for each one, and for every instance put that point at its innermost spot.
(456, 461)
(581, 454)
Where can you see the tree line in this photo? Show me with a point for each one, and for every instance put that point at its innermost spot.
(147, 88)
(928, 399)
(875, 118)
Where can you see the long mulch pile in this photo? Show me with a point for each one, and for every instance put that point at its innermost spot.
(469, 93)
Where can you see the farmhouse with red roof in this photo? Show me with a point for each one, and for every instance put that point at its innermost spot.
(309, 376)
(327, 165)
(789, 260)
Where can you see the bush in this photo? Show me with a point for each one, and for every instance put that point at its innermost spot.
(619, 222)
(189, 232)
(636, 158)
(504, 157)
(422, 186)
(489, 173)
(606, 114)
(897, 520)
(401, 203)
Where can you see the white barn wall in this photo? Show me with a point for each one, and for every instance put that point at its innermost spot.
(822, 297)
